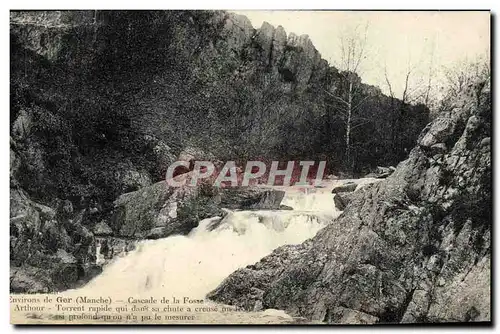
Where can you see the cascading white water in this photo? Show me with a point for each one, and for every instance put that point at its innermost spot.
(194, 265)
(317, 200)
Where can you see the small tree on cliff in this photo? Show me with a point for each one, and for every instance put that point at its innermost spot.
(397, 108)
(349, 99)
(463, 75)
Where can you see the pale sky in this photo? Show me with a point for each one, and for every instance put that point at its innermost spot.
(393, 38)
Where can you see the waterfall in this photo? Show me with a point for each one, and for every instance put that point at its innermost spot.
(195, 264)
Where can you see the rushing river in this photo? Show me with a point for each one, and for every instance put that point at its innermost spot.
(193, 265)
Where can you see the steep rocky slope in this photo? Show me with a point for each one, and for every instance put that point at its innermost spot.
(103, 101)
(415, 247)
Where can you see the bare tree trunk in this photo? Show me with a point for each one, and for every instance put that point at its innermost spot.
(405, 92)
(394, 116)
(348, 127)
(426, 102)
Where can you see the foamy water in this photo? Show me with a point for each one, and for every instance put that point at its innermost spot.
(193, 265)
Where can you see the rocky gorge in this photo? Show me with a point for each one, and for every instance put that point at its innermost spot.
(102, 102)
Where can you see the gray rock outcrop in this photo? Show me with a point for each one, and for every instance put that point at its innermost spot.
(341, 200)
(159, 210)
(48, 251)
(345, 188)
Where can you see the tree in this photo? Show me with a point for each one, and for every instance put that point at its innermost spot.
(409, 112)
(353, 51)
(430, 74)
(396, 111)
(461, 76)
(418, 81)
(422, 88)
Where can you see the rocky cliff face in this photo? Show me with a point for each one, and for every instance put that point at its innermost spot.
(102, 102)
(415, 247)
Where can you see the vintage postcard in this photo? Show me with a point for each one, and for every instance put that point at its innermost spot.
(250, 167)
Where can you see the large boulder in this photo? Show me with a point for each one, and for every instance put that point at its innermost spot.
(136, 213)
(415, 247)
(158, 211)
(346, 187)
(48, 250)
(381, 172)
(341, 200)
